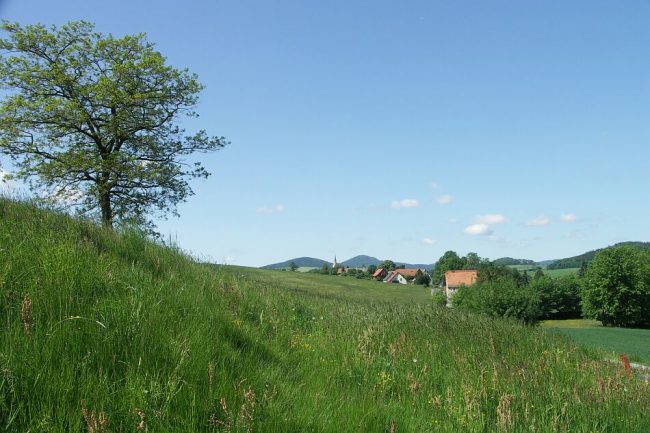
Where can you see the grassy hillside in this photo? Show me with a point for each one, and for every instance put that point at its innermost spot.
(107, 333)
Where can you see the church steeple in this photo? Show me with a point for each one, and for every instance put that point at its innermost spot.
(335, 264)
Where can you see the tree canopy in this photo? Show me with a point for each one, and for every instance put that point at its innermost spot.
(616, 287)
(93, 120)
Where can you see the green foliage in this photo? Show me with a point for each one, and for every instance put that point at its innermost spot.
(472, 261)
(616, 288)
(500, 298)
(389, 265)
(448, 262)
(93, 120)
(422, 278)
(372, 269)
(559, 297)
(439, 298)
(489, 272)
(122, 326)
(293, 267)
(325, 269)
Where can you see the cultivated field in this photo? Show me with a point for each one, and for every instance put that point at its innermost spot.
(611, 342)
(106, 333)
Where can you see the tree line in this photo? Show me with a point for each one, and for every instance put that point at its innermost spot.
(613, 288)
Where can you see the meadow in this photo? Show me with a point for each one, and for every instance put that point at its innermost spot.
(612, 342)
(554, 273)
(103, 332)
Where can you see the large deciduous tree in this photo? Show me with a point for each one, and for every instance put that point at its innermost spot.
(93, 120)
(616, 288)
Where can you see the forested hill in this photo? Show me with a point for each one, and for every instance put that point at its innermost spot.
(507, 261)
(577, 261)
(306, 262)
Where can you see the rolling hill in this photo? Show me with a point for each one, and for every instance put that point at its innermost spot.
(301, 262)
(577, 261)
(354, 262)
(508, 261)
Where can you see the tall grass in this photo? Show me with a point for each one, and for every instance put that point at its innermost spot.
(102, 332)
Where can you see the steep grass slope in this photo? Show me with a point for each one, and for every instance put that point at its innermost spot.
(107, 333)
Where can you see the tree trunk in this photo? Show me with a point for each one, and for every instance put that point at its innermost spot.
(107, 210)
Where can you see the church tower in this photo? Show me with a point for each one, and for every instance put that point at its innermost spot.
(335, 264)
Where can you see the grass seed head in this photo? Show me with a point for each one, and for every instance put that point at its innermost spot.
(96, 423)
(26, 314)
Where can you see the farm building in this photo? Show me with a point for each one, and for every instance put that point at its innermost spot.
(403, 276)
(380, 274)
(395, 277)
(455, 279)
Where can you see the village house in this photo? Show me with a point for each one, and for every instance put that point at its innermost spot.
(455, 279)
(380, 274)
(402, 276)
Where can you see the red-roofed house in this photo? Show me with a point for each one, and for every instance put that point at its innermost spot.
(380, 274)
(395, 277)
(410, 273)
(455, 279)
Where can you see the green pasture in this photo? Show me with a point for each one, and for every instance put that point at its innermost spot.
(555, 273)
(612, 342)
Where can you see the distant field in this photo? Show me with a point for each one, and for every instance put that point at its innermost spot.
(555, 273)
(635, 343)
(305, 269)
(340, 287)
(561, 272)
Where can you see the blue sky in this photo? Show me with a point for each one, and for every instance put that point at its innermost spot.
(506, 128)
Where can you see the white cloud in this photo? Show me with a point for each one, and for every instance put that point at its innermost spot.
(568, 217)
(435, 185)
(429, 241)
(272, 209)
(541, 220)
(444, 199)
(406, 203)
(478, 229)
(490, 219)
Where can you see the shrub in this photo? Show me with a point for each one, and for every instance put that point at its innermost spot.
(559, 298)
(499, 298)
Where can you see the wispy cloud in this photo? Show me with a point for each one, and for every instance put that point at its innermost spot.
(435, 185)
(541, 220)
(452, 220)
(405, 203)
(270, 209)
(483, 224)
(429, 241)
(568, 217)
(490, 219)
(444, 199)
(478, 229)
